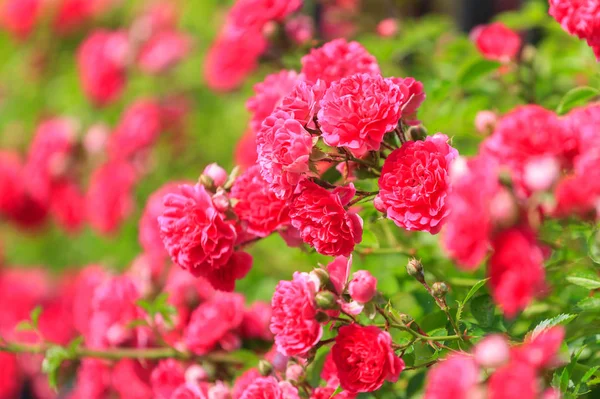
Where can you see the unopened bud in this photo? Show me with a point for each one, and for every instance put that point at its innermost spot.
(416, 133)
(492, 351)
(216, 173)
(404, 318)
(415, 269)
(221, 200)
(321, 275)
(485, 122)
(265, 368)
(440, 289)
(326, 300)
(322, 317)
(294, 372)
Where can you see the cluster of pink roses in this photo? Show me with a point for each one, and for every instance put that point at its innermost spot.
(579, 18)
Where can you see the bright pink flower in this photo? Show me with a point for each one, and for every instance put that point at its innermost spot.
(328, 392)
(194, 233)
(101, 62)
(216, 173)
(214, 322)
(232, 57)
(453, 378)
(540, 349)
(189, 391)
(363, 286)
(293, 322)
(19, 16)
(268, 95)
(269, 388)
(485, 122)
(336, 60)
(245, 154)
(415, 183)
(12, 184)
(579, 194)
(323, 221)
(67, 205)
(85, 284)
(73, 14)
(49, 157)
(300, 29)
(163, 51)
(149, 229)
(387, 27)
(254, 14)
(166, 377)
(580, 18)
(329, 372)
(185, 289)
(303, 102)
(130, 379)
(110, 196)
(526, 133)
(114, 306)
(540, 174)
(496, 42)
(412, 101)
(516, 270)
(10, 378)
(364, 358)
(492, 351)
(243, 381)
(359, 110)
(93, 379)
(284, 148)
(339, 271)
(256, 205)
(583, 124)
(137, 130)
(515, 380)
(256, 322)
(469, 226)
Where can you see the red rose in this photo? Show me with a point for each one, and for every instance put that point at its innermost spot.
(257, 205)
(364, 358)
(293, 321)
(516, 270)
(496, 42)
(323, 221)
(415, 182)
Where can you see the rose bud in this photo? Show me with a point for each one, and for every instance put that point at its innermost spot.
(485, 121)
(216, 173)
(363, 286)
(492, 351)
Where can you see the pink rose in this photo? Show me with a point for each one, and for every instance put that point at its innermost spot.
(138, 130)
(67, 205)
(363, 286)
(492, 351)
(166, 377)
(516, 270)
(454, 377)
(336, 60)
(216, 173)
(582, 126)
(541, 349)
(256, 322)
(214, 322)
(415, 183)
(300, 29)
(19, 16)
(109, 199)
(163, 51)
(243, 381)
(515, 380)
(579, 18)
(579, 193)
(387, 27)
(101, 62)
(303, 102)
(412, 101)
(496, 42)
(284, 148)
(245, 154)
(364, 358)
(10, 378)
(254, 14)
(323, 221)
(359, 110)
(269, 388)
(293, 321)
(268, 95)
(257, 205)
(328, 392)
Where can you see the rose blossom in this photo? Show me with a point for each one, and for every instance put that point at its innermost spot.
(67, 205)
(364, 358)
(303, 102)
(166, 377)
(323, 221)
(19, 16)
(492, 351)
(138, 129)
(254, 14)
(579, 18)
(10, 378)
(516, 270)
(515, 380)
(243, 381)
(387, 27)
(101, 63)
(412, 101)
(270, 388)
(337, 59)
(268, 94)
(256, 322)
(257, 205)
(485, 122)
(214, 322)
(245, 154)
(496, 42)
(582, 124)
(109, 199)
(293, 321)
(216, 173)
(284, 148)
(359, 110)
(163, 51)
(363, 286)
(130, 379)
(540, 349)
(415, 183)
(454, 377)
(579, 193)
(328, 392)
(232, 57)
(300, 29)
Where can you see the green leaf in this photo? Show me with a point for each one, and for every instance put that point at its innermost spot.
(55, 356)
(35, 316)
(589, 304)
(575, 97)
(337, 390)
(585, 282)
(25, 325)
(476, 69)
(482, 308)
(585, 378)
(369, 240)
(474, 290)
(560, 320)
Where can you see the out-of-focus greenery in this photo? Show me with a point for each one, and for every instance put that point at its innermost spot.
(431, 49)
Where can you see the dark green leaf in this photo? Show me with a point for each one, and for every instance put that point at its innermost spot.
(476, 69)
(575, 97)
(482, 308)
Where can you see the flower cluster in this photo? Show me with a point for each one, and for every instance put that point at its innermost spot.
(579, 18)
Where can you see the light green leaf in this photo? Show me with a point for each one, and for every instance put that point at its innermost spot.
(476, 69)
(590, 284)
(35, 316)
(25, 325)
(575, 97)
(337, 390)
(474, 290)
(589, 304)
(560, 320)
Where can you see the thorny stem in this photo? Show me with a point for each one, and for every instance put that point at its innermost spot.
(444, 306)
